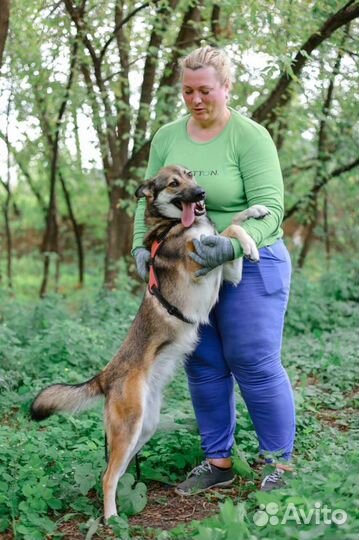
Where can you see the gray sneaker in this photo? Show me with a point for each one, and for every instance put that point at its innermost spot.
(273, 481)
(205, 476)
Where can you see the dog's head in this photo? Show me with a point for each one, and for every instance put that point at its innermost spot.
(173, 193)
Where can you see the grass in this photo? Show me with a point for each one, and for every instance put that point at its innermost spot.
(50, 474)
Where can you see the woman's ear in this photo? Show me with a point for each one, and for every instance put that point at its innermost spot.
(227, 87)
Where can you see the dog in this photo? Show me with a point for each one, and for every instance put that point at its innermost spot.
(165, 328)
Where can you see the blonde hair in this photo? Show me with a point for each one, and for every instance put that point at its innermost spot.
(209, 56)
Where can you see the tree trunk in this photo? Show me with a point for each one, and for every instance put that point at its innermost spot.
(309, 234)
(77, 231)
(8, 237)
(4, 25)
(50, 241)
(119, 234)
(8, 201)
(326, 227)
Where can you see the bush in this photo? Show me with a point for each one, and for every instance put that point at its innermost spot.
(321, 306)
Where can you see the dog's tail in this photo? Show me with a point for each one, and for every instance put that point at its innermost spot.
(66, 398)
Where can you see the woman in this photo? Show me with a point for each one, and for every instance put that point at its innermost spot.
(235, 161)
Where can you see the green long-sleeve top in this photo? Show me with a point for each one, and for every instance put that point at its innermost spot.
(237, 168)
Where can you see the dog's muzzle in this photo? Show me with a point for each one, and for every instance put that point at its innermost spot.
(191, 203)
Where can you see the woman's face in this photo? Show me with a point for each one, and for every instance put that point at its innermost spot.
(205, 97)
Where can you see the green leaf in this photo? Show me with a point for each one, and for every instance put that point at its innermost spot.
(28, 490)
(241, 467)
(120, 527)
(85, 477)
(4, 524)
(132, 497)
(93, 526)
(55, 504)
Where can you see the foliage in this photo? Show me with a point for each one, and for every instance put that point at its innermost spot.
(326, 302)
(51, 474)
(330, 483)
(108, 122)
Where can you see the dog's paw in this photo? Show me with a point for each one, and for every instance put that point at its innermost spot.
(258, 211)
(250, 250)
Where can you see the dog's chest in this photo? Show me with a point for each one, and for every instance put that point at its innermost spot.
(204, 227)
(202, 293)
(171, 356)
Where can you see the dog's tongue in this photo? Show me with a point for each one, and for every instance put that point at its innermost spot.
(188, 215)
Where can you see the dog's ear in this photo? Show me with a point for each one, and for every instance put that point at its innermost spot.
(145, 189)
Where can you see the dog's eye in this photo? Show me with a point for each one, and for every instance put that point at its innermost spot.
(174, 183)
(190, 174)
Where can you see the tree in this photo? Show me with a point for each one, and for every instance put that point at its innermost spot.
(113, 114)
(267, 112)
(125, 83)
(4, 25)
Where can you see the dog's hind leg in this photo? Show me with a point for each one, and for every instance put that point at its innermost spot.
(124, 421)
(151, 419)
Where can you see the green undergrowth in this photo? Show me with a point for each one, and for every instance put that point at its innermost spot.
(50, 473)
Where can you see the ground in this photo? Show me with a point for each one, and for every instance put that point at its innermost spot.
(165, 510)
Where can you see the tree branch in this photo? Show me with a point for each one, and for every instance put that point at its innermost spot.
(120, 25)
(77, 16)
(311, 208)
(215, 17)
(138, 157)
(186, 37)
(25, 172)
(123, 103)
(162, 15)
(267, 112)
(318, 186)
(97, 122)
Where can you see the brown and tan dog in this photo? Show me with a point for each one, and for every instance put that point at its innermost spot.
(165, 329)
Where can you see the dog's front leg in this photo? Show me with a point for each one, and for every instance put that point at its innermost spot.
(249, 247)
(256, 211)
(232, 271)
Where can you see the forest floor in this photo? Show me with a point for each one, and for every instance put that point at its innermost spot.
(50, 473)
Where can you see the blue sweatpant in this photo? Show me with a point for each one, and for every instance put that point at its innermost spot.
(243, 343)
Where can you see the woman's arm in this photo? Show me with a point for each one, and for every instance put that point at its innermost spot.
(263, 184)
(139, 229)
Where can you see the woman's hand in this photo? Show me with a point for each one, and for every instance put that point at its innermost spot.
(142, 257)
(211, 251)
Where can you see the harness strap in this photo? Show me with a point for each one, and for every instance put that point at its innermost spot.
(153, 284)
(171, 309)
(153, 281)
